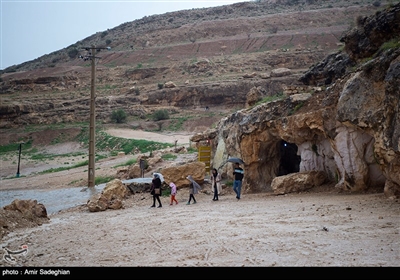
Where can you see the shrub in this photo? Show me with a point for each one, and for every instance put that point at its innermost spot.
(392, 44)
(160, 115)
(104, 34)
(376, 3)
(103, 180)
(118, 116)
(73, 53)
(160, 85)
(274, 29)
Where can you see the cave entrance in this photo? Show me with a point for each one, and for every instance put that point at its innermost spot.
(289, 160)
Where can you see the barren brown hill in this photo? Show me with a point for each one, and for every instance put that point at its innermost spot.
(211, 56)
(223, 59)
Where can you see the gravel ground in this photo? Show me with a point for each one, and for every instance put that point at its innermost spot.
(261, 230)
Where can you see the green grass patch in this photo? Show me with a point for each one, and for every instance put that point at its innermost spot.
(169, 157)
(106, 87)
(127, 163)
(392, 44)
(103, 180)
(229, 183)
(15, 147)
(52, 170)
(166, 192)
(42, 156)
(74, 182)
(296, 108)
(267, 99)
(176, 124)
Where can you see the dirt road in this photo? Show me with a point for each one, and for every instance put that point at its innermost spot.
(181, 138)
(314, 228)
(308, 229)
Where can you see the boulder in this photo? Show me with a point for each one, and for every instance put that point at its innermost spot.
(178, 174)
(28, 207)
(280, 72)
(110, 198)
(297, 182)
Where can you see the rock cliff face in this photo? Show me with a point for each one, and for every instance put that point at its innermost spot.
(350, 130)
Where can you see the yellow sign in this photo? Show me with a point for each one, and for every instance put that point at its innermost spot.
(205, 156)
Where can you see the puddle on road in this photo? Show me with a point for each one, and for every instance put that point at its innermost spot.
(53, 200)
(60, 199)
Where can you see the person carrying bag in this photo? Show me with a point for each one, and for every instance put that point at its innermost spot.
(155, 190)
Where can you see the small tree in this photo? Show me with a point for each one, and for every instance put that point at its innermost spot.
(376, 3)
(118, 116)
(73, 53)
(160, 115)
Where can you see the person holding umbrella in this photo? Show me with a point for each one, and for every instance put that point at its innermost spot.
(238, 173)
(194, 188)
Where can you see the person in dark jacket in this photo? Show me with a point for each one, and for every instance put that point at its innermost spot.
(238, 173)
(156, 190)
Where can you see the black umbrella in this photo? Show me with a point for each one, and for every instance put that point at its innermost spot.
(235, 160)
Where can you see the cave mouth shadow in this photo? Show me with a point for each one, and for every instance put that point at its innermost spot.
(289, 160)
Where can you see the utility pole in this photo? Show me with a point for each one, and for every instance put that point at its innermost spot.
(19, 157)
(92, 121)
(92, 125)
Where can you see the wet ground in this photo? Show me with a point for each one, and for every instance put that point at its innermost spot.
(59, 199)
(53, 200)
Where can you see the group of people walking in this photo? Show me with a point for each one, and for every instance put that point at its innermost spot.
(194, 187)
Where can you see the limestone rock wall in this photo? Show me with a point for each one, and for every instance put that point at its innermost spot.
(350, 131)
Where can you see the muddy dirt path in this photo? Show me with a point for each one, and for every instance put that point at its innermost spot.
(309, 229)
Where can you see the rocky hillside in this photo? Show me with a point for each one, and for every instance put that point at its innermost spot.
(347, 133)
(182, 61)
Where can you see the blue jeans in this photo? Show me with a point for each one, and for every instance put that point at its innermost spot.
(237, 187)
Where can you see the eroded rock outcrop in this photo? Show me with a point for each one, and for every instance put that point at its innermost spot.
(28, 207)
(350, 131)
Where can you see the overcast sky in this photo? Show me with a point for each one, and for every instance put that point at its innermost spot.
(32, 28)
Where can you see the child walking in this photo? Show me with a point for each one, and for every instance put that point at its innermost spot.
(173, 193)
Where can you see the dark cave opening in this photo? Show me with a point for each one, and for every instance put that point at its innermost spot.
(289, 160)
